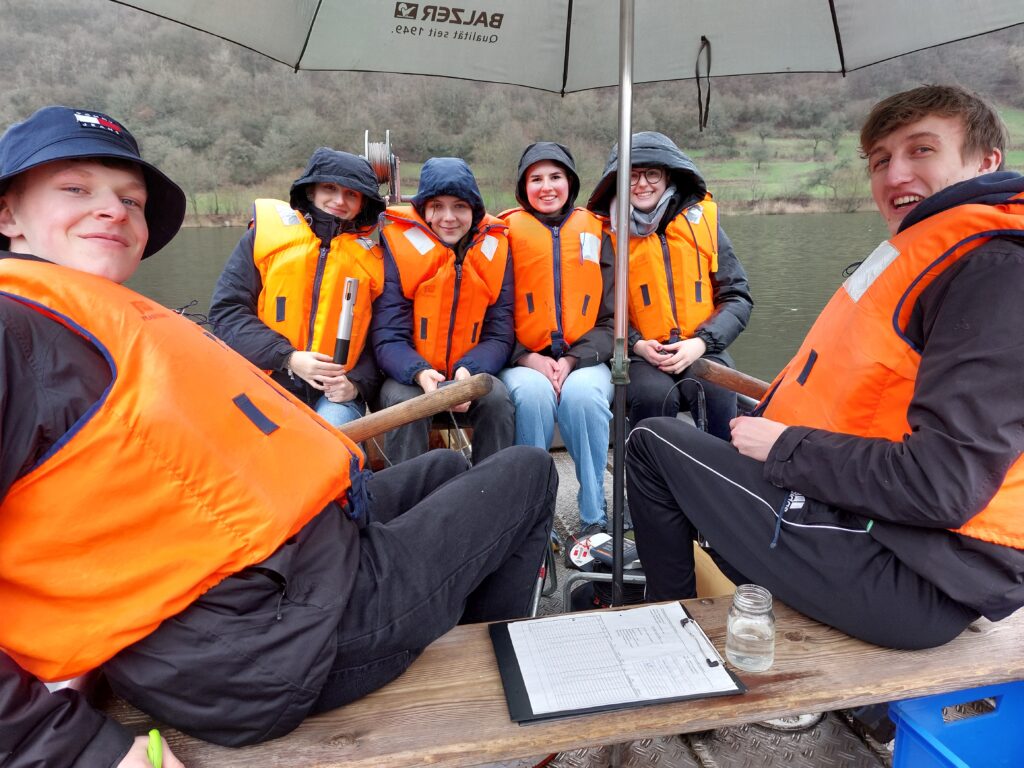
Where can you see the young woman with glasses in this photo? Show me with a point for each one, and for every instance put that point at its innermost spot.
(688, 293)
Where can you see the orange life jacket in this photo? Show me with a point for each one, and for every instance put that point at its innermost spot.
(302, 284)
(670, 292)
(191, 466)
(557, 277)
(449, 300)
(856, 371)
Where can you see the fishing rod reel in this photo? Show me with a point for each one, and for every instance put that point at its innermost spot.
(385, 165)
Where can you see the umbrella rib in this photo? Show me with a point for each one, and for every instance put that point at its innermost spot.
(839, 37)
(128, 4)
(309, 34)
(568, 40)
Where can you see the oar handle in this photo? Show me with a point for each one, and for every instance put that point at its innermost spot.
(729, 378)
(441, 399)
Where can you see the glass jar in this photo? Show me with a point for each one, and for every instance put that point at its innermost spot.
(750, 629)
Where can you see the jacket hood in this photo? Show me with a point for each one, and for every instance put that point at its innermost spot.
(547, 150)
(346, 170)
(987, 189)
(449, 176)
(650, 148)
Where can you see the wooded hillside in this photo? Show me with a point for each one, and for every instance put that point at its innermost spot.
(228, 124)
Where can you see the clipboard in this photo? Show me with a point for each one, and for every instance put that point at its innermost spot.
(648, 655)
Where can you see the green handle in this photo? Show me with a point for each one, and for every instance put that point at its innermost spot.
(155, 751)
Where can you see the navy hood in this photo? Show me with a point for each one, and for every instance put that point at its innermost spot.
(449, 176)
(557, 153)
(650, 148)
(346, 170)
(987, 189)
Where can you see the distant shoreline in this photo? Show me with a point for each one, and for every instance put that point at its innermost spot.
(765, 207)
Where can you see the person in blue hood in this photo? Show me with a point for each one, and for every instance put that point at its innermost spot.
(279, 298)
(446, 311)
(688, 293)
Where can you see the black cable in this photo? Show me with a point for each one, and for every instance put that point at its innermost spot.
(197, 317)
(701, 420)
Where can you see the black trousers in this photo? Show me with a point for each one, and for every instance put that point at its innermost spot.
(447, 545)
(817, 559)
(492, 417)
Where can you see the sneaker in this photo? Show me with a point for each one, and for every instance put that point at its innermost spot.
(556, 541)
(578, 548)
(589, 530)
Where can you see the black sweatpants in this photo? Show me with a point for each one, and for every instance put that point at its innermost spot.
(447, 545)
(817, 559)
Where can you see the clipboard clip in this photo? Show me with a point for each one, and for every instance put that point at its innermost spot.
(698, 633)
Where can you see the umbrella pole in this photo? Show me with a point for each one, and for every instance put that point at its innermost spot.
(620, 360)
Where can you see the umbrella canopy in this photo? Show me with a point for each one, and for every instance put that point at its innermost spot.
(575, 45)
(571, 45)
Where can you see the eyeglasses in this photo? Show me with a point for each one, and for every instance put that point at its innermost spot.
(651, 175)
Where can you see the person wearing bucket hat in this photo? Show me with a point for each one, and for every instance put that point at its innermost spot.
(446, 312)
(279, 297)
(688, 293)
(61, 133)
(171, 515)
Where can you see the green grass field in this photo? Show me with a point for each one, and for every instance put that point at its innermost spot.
(777, 170)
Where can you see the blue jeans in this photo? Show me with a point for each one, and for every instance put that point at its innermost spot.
(337, 414)
(583, 417)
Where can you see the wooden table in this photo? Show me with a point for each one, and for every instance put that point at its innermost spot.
(449, 707)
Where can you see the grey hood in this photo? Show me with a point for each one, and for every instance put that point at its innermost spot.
(650, 148)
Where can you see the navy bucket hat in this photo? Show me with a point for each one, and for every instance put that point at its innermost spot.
(62, 133)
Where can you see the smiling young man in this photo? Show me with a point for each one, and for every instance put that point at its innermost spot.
(170, 515)
(564, 321)
(883, 475)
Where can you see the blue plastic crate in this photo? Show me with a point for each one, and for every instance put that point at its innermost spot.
(990, 740)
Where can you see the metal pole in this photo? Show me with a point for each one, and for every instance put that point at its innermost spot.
(620, 361)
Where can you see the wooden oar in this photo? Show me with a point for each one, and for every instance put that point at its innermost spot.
(734, 380)
(420, 407)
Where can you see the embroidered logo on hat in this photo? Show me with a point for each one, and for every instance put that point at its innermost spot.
(103, 122)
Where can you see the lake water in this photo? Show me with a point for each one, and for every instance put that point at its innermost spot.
(794, 261)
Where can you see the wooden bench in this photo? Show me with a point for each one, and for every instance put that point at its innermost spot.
(449, 707)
